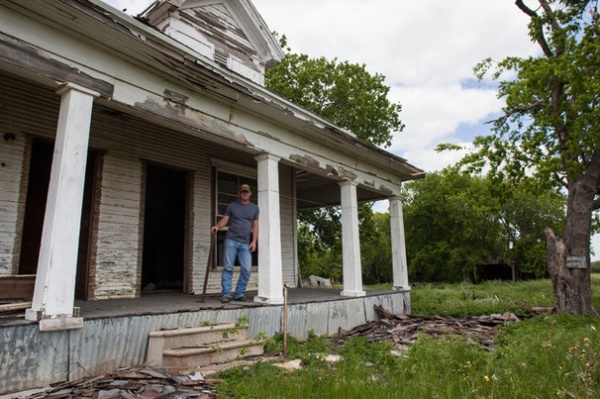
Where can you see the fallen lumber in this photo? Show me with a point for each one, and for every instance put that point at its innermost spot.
(404, 329)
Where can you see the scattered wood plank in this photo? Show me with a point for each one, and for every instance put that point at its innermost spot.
(131, 383)
(404, 329)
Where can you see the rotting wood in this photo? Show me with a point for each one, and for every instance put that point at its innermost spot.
(404, 329)
(132, 383)
(17, 286)
(13, 307)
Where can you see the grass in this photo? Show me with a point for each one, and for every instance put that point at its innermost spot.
(548, 356)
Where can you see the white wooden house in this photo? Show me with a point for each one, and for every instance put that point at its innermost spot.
(122, 139)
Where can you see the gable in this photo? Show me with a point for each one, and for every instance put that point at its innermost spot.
(230, 33)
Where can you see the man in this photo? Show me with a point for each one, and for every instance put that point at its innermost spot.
(240, 241)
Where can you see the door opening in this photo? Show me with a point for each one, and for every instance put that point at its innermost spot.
(163, 259)
(35, 208)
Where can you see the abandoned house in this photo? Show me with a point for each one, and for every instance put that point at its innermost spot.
(122, 140)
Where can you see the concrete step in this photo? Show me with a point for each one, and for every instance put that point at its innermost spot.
(190, 358)
(190, 348)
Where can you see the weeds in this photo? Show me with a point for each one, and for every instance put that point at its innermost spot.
(552, 356)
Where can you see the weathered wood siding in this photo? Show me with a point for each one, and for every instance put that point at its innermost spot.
(288, 224)
(11, 173)
(125, 144)
(24, 111)
(116, 267)
(214, 32)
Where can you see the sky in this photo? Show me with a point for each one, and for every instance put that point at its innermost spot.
(425, 49)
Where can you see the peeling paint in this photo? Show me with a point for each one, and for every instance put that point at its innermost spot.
(269, 136)
(24, 56)
(175, 97)
(369, 183)
(348, 174)
(193, 119)
(305, 160)
(332, 170)
(386, 190)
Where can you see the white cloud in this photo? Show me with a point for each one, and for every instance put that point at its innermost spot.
(426, 49)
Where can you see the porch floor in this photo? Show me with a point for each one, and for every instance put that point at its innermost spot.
(170, 302)
(174, 302)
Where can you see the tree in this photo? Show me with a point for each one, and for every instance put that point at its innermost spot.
(346, 94)
(455, 222)
(350, 97)
(449, 226)
(550, 129)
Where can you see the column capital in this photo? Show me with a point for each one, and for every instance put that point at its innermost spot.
(344, 183)
(396, 198)
(267, 156)
(68, 86)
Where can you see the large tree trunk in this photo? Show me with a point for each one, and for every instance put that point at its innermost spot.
(569, 260)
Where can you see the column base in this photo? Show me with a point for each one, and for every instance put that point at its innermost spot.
(61, 323)
(33, 315)
(57, 323)
(353, 293)
(270, 301)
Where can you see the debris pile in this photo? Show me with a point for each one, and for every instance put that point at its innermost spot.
(404, 329)
(148, 383)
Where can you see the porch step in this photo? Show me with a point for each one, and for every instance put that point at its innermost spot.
(191, 348)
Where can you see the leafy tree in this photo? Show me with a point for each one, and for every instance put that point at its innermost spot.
(346, 94)
(350, 97)
(455, 222)
(320, 244)
(550, 130)
(376, 246)
(448, 226)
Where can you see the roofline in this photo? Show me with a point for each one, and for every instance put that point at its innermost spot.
(235, 80)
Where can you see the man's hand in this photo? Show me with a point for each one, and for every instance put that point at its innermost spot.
(252, 246)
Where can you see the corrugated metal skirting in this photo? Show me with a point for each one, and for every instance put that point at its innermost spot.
(32, 359)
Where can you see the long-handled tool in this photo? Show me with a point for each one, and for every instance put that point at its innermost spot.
(211, 251)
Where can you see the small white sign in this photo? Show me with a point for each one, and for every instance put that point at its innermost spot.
(576, 262)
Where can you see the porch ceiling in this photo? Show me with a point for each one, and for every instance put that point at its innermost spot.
(314, 191)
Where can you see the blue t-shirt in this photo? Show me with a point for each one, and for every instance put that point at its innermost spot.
(241, 220)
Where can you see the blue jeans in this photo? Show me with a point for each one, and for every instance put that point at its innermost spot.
(240, 250)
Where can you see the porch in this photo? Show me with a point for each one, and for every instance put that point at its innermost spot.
(115, 332)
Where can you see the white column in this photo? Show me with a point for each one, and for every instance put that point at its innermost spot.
(399, 264)
(270, 273)
(54, 292)
(352, 270)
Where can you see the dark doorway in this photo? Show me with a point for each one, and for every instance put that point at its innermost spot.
(35, 207)
(87, 223)
(163, 259)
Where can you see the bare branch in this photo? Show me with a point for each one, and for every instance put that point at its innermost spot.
(540, 38)
(524, 110)
(561, 180)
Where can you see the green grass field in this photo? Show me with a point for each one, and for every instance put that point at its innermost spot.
(546, 356)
